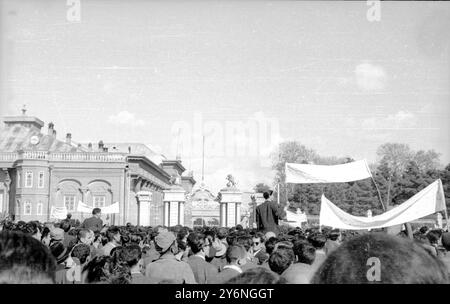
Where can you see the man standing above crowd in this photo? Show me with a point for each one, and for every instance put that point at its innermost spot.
(268, 214)
(94, 223)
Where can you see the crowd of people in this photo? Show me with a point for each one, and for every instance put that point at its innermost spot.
(67, 252)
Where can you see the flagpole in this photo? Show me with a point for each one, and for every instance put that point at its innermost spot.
(376, 186)
(203, 159)
(379, 194)
(446, 218)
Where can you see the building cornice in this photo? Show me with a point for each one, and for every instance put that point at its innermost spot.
(148, 162)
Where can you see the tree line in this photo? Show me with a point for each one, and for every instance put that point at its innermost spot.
(399, 172)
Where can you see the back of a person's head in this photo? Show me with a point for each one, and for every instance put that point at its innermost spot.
(196, 241)
(96, 211)
(24, 259)
(131, 253)
(446, 240)
(81, 252)
(266, 195)
(270, 244)
(111, 232)
(246, 241)
(83, 233)
(222, 233)
(103, 269)
(65, 225)
(433, 236)
(280, 259)
(318, 240)
(231, 238)
(334, 235)
(31, 228)
(305, 252)
(423, 229)
(380, 258)
(234, 253)
(257, 275)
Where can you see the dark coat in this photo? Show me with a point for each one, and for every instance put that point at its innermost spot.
(225, 275)
(203, 271)
(267, 216)
(93, 223)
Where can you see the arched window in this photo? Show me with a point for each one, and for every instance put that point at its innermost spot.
(213, 222)
(27, 208)
(39, 208)
(199, 222)
(17, 211)
(69, 202)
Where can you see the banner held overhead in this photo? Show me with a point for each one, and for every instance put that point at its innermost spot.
(306, 174)
(428, 201)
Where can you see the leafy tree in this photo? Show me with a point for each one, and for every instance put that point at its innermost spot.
(445, 178)
(261, 187)
(427, 160)
(395, 157)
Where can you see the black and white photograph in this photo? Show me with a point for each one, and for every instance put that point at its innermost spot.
(224, 143)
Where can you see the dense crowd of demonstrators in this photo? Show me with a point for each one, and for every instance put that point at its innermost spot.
(66, 252)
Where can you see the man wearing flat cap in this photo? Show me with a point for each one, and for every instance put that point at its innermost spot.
(268, 214)
(167, 269)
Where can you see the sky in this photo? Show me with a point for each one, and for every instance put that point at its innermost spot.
(246, 75)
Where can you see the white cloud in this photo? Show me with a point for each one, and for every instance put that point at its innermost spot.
(370, 77)
(400, 120)
(126, 118)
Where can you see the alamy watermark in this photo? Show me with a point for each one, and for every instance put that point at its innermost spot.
(74, 10)
(256, 136)
(374, 11)
(373, 274)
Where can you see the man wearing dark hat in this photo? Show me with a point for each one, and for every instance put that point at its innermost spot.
(61, 253)
(268, 214)
(167, 269)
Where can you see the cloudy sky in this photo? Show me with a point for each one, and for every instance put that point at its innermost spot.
(244, 74)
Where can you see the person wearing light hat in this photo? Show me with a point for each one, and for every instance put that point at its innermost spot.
(236, 258)
(56, 235)
(219, 260)
(167, 268)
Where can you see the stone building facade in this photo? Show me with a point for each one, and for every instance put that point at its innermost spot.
(38, 171)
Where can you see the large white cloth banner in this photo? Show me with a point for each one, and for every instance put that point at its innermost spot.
(111, 209)
(305, 173)
(82, 207)
(59, 213)
(428, 201)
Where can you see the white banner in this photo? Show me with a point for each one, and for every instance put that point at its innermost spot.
(305, 173)
(82, 207)
(428, 201)
(111, 209)
(59, 213)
